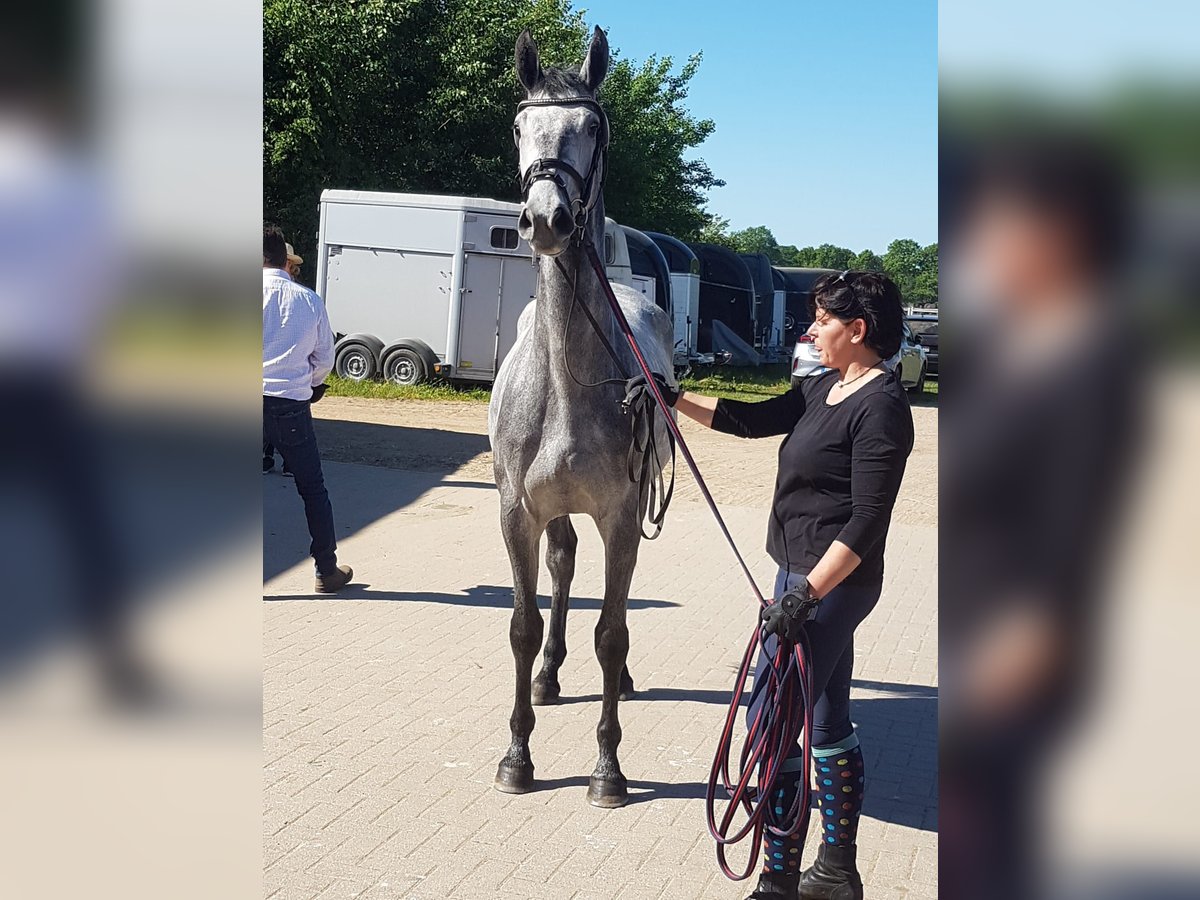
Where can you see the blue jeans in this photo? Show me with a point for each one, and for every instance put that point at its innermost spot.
(288, 425)
(831, 648)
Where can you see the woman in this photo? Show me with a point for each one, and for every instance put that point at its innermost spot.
(848, 436)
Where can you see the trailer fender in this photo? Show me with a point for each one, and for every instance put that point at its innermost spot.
(413, 346)
(366, 347)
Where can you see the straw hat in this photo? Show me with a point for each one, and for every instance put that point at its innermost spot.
(293, 257)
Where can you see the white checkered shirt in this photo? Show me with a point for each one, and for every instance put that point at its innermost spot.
(297, 340)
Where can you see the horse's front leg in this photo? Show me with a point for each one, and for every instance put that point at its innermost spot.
(607, 786)
(521, 535)
(561, 542)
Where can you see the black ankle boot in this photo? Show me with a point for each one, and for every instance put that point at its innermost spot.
(776, 886)
(833, 876)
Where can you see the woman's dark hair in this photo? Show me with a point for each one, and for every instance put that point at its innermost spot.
(869, 296)
(274, 246)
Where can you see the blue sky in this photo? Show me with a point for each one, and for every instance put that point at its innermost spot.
(826, 112)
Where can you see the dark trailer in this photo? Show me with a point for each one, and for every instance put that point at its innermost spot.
(726, 295)
(759, 265)
(797, 285)
(647, 260)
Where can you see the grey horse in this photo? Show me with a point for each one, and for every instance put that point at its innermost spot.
(559, 437)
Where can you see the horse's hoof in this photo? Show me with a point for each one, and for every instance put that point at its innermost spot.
(513, 779)
(608, 793)
(626, 690)
(545, 692)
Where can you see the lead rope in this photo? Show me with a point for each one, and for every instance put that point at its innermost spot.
(785, 713)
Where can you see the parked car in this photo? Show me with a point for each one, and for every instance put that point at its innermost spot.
(911, 360)
(924, 326)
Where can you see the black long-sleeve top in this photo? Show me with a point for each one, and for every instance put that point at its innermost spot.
(840, 468)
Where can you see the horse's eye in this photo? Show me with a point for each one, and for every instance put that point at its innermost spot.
(516, 133)
(593, 128)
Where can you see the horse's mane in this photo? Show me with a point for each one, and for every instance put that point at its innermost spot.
(562, 83)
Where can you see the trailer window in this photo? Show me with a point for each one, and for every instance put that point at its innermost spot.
(504, 238)
(610, 250)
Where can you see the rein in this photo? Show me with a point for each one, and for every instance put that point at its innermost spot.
(785, 714)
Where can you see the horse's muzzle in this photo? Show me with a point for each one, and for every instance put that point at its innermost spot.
(546, 221)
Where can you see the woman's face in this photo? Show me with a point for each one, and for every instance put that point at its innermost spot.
(836, 341)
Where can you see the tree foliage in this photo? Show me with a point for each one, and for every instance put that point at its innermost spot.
(650, 185)
(419, 95)
(913, 267)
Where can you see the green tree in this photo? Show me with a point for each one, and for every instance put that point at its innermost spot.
(788, 255)
(757, 240)
(650, 184)
(902, 261)
(419, 95)
(715, 230)
(867, 261)
(827, 256)
(914, 269)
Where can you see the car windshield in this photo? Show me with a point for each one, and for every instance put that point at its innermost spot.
(923, 326)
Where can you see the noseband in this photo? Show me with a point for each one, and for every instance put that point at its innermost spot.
(559, 171)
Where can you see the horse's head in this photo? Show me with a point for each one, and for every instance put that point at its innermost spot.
(561, 135)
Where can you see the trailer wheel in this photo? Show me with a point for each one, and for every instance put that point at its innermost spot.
(404, 366)
(355, 362)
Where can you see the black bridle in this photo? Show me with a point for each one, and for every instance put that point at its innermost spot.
(559, 171)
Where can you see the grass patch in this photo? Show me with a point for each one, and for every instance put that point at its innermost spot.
(727, 382)
(739, 383)
(380, 390)
(732, 383)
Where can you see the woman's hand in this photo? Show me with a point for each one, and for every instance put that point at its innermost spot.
(786, 616)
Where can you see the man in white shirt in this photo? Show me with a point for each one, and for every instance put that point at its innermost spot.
(297, 355)
(294, 261)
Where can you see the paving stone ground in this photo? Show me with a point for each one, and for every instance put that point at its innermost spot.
(386, 709)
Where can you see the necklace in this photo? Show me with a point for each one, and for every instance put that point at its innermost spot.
(843, 384)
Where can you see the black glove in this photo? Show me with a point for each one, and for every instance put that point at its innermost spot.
(319, 392)
(787, 616)
(636, 389)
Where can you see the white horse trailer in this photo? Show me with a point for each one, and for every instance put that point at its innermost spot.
(685, 293)
(419, 285)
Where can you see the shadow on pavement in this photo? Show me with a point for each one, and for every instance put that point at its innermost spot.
(899, 739)
(405, 463)
(639, 791)
(398, 446)
(486, 596)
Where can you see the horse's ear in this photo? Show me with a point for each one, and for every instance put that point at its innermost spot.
(595, 64)
(529, 68)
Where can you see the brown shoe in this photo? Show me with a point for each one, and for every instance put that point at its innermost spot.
(335, 581)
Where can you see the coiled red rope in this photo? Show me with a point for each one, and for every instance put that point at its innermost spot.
(783, 715)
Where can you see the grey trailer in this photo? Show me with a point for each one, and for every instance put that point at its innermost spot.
(422, 285)
(419, 284)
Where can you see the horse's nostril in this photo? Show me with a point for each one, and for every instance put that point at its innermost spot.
(524, 222)
(561, 222)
